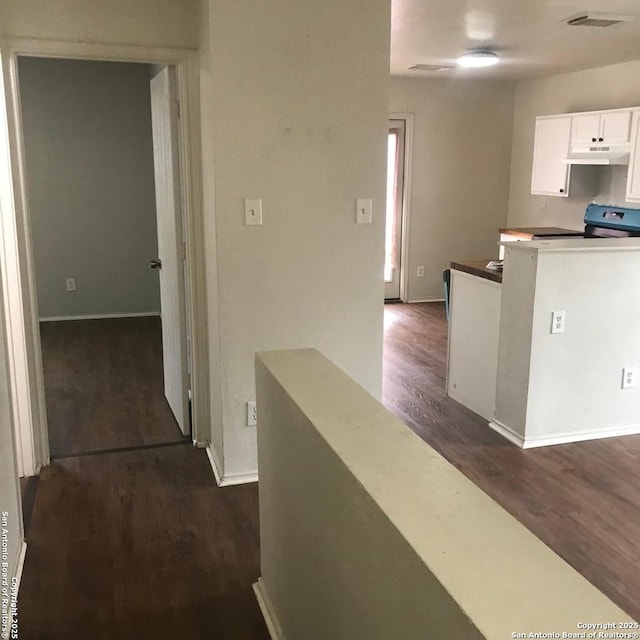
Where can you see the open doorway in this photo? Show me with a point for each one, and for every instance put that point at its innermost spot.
(108, 249)
(397, 215)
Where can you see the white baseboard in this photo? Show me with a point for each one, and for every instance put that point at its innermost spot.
(101, 316)
(214, 462)
(227, 480)
(507, 432)
(563, 438)
(268, 613)
(417, 300)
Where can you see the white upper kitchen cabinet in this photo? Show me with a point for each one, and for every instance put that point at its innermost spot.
(633, 178)
(604, 127)
(550, 175)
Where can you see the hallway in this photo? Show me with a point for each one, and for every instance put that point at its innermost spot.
(141, 544)
(128, 535)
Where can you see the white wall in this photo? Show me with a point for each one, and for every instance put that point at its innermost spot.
(367, 533)
(602, 88)
(460, 181)
(294, 107)
(298, 117)
(554, 388)
(9, 487)
(170, 23)
(89, 158)
(207, 123)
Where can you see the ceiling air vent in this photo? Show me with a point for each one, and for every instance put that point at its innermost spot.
(431, 67)
(598, 20)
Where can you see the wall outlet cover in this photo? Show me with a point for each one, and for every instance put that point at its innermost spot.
(557, 321)
(629, 375)
(252, 414)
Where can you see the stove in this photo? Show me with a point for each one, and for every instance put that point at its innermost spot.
(611, 222)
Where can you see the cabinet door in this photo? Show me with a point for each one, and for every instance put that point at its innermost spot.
(633, 177)
(550, 176)
(615, 128)
(585, 130)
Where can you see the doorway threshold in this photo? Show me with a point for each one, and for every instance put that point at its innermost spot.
(99, 452)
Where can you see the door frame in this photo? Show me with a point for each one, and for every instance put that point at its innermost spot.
(17, 262)
(406, 200)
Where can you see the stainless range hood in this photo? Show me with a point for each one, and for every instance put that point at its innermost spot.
(598, 157)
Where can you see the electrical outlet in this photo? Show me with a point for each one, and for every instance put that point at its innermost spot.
(420, 272)
(629, 375)
(252, 414)
(71, 284)
(557, 321)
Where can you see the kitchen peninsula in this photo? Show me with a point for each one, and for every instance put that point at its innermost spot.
(537, 383)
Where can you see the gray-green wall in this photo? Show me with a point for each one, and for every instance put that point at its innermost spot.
(87, 134)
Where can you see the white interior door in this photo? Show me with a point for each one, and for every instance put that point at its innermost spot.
(393, 226)
(171, 253)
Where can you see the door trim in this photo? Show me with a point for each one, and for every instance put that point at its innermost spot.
(406, 200)
(22, 307)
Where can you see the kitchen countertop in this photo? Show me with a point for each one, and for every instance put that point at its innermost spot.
(569, 245)
(478, 268)
(547, 232)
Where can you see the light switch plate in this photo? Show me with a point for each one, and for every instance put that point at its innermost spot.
(252, 211)
(364, 211)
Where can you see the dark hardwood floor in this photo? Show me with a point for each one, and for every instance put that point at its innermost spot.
(104, 385)
(136, 543)
(141, 544)
(582, 500)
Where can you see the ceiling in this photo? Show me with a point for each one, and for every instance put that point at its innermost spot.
(530, 36)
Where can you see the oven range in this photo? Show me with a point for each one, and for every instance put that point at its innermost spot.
(601, 221)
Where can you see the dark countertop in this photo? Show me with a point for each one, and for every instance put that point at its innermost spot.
(541, 232)
(478, 268)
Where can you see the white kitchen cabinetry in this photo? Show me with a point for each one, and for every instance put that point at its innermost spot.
(606, 128)
(550, 176)
(633, 178)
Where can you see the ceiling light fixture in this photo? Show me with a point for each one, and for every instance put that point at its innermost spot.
(477, 59)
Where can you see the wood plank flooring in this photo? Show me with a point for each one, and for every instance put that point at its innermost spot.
(136, 543)
(583, 499)
(104, 385)
(141, 544)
